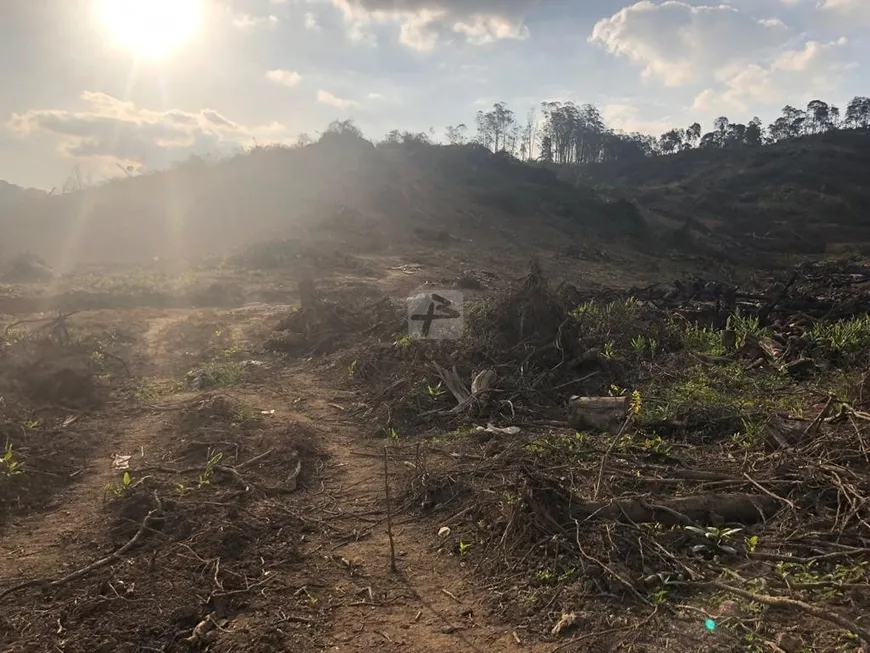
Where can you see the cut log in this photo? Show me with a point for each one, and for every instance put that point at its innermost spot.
(598, 413)
(705, 509)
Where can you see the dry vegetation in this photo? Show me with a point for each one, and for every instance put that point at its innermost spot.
(254, 455)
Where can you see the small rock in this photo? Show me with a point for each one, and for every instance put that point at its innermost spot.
(444, 531)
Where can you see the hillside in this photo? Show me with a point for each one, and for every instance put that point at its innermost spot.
(344, 193)
(342, 190)
(11, 196)
(797, 195)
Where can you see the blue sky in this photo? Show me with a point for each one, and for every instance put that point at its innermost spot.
(77, 94)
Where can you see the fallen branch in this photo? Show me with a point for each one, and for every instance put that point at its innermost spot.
(700, 509)
(815, 611)
(84, 571)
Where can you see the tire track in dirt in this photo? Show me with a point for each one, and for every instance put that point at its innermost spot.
(39, 544)
(431, 605)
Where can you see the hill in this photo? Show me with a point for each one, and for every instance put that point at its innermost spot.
(344, 193)
(796, 195)
(12, 195)
(342, 190)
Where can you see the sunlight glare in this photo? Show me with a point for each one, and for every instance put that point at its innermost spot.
(150, 29)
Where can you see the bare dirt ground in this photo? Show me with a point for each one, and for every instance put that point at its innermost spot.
(172, 482)
(257, 564)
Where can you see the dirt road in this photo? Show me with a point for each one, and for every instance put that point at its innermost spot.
(211, 557)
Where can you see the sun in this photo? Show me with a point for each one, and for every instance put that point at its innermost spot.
(150, 29)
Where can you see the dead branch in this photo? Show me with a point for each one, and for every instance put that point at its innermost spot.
(84, 571)
(606, 455)
(815, 611)
(700, 509)
(50, 322)
(389, 513)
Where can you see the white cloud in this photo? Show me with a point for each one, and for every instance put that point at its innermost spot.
(793, 76)
(850, 10)
(629, 118)
(480, 30)
(375, 96)
(425, 24)
(311, 22)
(843, 5)
(284, 77)
(109, 128)
(325, 97)
(247, 22)
(680, 44)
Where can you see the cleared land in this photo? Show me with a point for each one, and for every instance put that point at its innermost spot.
(202, 459)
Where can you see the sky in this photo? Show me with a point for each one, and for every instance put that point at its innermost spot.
(106, 85)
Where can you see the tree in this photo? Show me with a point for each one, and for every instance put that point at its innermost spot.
(547, 149)
(710, 140)
(456, 135)
(394, 137)
(796, 120)
(303, 140)
(345, 127)
(693, 135)
(858, 113)
(754, 133)
(671, 141)
(735, 135)
(412, 138)
(577, 134)
(818, 116)
(494, 127)
(529, 135)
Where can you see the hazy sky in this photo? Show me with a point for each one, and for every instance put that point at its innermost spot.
(80, 84)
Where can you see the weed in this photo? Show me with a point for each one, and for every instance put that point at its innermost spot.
(120, 488)
(717, 539)
(435, 391)
(636, 402)
(8, 465)
(703, 340)
(605, 319)
(644, 347)
(464, 547)
(655, 444)
(233, 350)
(564, 447)
(403, 342)
(750, 434)
(659, 596)
(751, 543)
(845, 339)
(351, 369)
(744, 326)
(243, 415)
(827, 582)
(206, 476)
(545, 576)
(219, 374)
